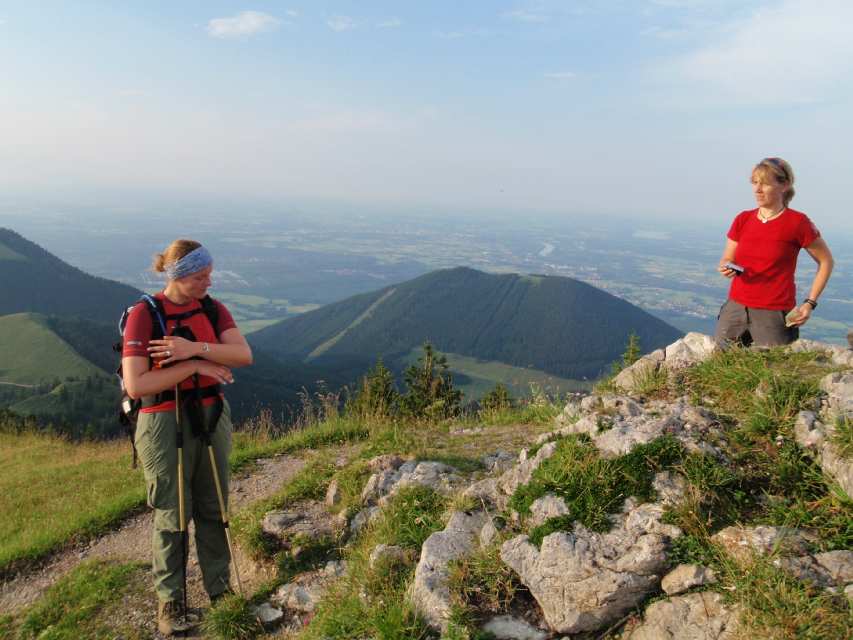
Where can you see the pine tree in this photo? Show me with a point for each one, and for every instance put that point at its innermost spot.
(429, 387)
(377, 394)
(498, 399)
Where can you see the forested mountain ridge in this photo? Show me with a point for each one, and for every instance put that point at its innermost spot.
(34, 280)
(554, 324)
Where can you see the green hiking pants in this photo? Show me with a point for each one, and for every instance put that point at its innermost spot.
(156, 442)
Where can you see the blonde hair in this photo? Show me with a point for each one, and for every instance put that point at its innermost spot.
(779, 171)
(174, 252)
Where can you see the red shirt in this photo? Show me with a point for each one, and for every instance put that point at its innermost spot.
(768, 252)
(137, 333)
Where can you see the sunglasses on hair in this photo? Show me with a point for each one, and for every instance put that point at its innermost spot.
(776, 162)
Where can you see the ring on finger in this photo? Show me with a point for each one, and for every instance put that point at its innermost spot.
(168, 353)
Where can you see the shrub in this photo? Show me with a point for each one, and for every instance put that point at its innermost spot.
(429, 388)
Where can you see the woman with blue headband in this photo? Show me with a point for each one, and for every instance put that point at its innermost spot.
(176, 361)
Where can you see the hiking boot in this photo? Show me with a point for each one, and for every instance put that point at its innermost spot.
(170, 618)
(214, 599)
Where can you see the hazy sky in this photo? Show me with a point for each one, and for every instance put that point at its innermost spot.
(646, 107)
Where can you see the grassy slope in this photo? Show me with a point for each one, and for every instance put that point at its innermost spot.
(52, 490)
(32, 353)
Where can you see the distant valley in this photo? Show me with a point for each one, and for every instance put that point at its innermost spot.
(552, 332)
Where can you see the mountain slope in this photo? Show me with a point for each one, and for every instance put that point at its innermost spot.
(33, 353)
(558, 325)
(32, 279)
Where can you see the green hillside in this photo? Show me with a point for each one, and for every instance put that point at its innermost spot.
(557, 325)
(32, 279)
(33, 353)
(475, 378)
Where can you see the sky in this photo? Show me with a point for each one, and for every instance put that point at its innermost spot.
(648, 108)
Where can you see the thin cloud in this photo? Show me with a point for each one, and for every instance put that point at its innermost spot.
(524, 15)
(392, 23)
(796, 52)
(341, 23)
(242, 25)
(291, 13)
(131, 93)
(560, 75)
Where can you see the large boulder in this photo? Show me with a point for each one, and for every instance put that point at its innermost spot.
(584, 580)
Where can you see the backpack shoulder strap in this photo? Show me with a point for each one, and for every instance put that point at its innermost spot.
(211, 310)
(158, 313)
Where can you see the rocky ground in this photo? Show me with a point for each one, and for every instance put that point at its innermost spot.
(631, 569)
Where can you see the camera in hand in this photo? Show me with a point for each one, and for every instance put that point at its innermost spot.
(734, 267)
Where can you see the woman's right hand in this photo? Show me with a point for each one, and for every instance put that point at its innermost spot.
(212, 370)
(723, 269)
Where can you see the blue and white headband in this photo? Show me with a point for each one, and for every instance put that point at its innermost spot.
(195, 260)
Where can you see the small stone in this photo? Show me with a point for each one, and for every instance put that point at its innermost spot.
(838, 564)
(742, 542)
(335, 568)
(511, 628)
(362, 518)
(386, 554)
(268, 614)
(333, 494)
(297, 597)
(686, 576)
(697, 616)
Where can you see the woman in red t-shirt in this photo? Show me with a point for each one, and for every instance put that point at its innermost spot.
(760, 258)
(178, 377)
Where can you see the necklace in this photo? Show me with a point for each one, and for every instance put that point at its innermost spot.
(766, 219)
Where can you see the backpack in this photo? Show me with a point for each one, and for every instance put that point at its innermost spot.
(128, 409)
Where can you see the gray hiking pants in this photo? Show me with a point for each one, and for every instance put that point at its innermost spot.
(748, 325)
(156, 441)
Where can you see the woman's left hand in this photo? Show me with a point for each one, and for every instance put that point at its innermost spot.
(805, 312)
(172, 349)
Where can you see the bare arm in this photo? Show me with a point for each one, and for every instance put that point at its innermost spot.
(232, 350)
(140, 381)
(820, 253)
(728, 256)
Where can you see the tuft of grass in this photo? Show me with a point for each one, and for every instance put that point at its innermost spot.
(79, 604)
(482, 583)
(351, 480)
(715, 496)
(594, 487)
(762, 390)
(231, 619)
(778, 606)
(842, 436)
(652, 382)
(416, 514)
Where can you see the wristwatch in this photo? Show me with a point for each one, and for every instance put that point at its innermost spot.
(811, 303)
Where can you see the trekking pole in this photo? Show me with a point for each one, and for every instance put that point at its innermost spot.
(223, 511)
(181, 506)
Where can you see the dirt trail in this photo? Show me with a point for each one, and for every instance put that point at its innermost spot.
(132, 542)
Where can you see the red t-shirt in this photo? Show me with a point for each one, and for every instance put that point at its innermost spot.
(768, 252)
(137, 333)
